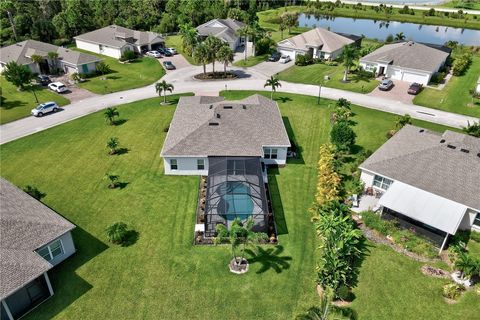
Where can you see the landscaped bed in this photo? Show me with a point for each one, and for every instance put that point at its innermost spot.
(162, 275)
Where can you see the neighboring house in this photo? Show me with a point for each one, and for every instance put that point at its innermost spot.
(33, 239)
(70, 61)
(224, 29)
(318, 43)
(113, 40)
(406, 61)
(428, 180)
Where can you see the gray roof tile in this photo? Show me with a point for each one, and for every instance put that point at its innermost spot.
(117, 36)
(327, 40)
(225, 29)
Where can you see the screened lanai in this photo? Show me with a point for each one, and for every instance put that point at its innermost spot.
(235, 189)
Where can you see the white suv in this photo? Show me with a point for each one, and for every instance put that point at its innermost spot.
(57, 87)
(171, 50)
(44, 108)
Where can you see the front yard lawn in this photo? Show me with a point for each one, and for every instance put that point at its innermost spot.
(455, 96)
(15, 104)
(162, 275)
(251, 61)
(139, 73)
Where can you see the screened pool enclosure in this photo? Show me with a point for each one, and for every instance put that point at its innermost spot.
(235, 189)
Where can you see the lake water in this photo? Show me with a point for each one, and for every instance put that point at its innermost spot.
(381, 29)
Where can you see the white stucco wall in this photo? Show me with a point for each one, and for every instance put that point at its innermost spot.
(367, 178)
(467, 221)
(186, 166)
(93, 47)
(281, 156)
(68, 248)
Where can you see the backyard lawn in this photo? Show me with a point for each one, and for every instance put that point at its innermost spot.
(18, 104)
(162, 275)
(455, 97)
(139, 73)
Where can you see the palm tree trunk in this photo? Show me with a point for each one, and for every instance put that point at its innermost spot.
(225, 69)
(10, 19)
(165, 96)
(345, 75)
(271, 94)
(246, 47)
(213, 67)
(204, 69)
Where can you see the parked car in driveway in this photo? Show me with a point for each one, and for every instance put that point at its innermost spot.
(154, 54)
(45, 108)
(275, 56)
(171, 50)
(169, 65)
(385, 85)
(43, 80)
(285, 59)
(415, 88)
(165, 52)
(57, 87)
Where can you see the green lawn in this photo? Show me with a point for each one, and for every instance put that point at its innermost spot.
(455, 97)
(251, 61)
(162, 275)
(139, 73)
(176, 42)
(462, 4)
(15, 104)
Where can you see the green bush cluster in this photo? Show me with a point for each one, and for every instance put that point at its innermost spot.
(452, 291)
(461, 64)
(264, 45)
(303, 60)
(128, 55)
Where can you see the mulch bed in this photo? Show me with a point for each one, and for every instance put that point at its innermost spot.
(435, 272)
(216, 76)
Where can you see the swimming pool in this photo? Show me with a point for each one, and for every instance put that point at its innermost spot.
(236, 200)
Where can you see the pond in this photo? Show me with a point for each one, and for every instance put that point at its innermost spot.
(374, 29)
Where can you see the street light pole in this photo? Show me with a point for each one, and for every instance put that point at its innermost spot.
(319, 93)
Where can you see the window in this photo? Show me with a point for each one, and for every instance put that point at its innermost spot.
(381, 182)
(270, 153)
(273, 154)
(173, 164)
(266, 153)
(476, 221)
(200, 164)
(51, 251)
(370, 67)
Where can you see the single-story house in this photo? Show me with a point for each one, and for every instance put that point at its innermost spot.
(406, 61)
(318, 43)
(230, 143)
(428, 180)
(113, 40)
(70, 61)
(224, 29)
(33, 239)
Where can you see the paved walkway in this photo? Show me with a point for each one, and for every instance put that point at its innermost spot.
(251, 79)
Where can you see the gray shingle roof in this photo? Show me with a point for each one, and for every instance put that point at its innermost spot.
(327, 40)
(240, 131)
(22, 51)
(409, 54)
(25, 225)
(225, 29)
(117, 36)
(423, 159)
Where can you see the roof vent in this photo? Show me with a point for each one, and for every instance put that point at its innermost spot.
(213, 124)
(227, 107)
(442, 141)
(478, 154)
(465, 150)
(421, 130)
(451, 147)
(211, 106)
(244, 107)
(218, 115)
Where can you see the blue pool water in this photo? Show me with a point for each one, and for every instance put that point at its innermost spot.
(237, 201)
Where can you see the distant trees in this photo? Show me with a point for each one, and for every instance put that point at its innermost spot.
(289, 19)
(189, 38)
(18, 75)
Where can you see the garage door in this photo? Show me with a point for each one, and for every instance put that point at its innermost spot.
(290, 53)
(394, 73)
(415, 77)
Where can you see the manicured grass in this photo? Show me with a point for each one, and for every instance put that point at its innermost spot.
(15, 104)
(162, 275)
(455, 97)
(139, 73)
(176, 42)
(251, 61)
(461, 4)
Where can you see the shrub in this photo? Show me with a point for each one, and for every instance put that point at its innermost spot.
(343, 293)
(303, 60)
(438, 77)
(389, 38)
(34, 192)
(331, 63)
(374, 221)
(342, 135)
(103, 68)
(264, 45)
(452, 291)
(128, 55)
(461, 64)
(117, 233)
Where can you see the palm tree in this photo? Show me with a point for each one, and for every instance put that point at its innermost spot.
(349, 54)
(282, 26)
(117, 232)
(213, 44)
(37, 59)
(113, 144)
(472, 129)
(200, 55)
(103, 68)
(256, 31)
(244, 32)
(274, 83)
(322, 311)
(402, 121)
(110, 114)
(467, 265)
(189, 37)
(400, 36)
(112, 180)
(225, 55)
(163, 87)
(53, 56)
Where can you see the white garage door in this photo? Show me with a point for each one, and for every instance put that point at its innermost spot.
(415, 77)
(286, 52)
(394, 73)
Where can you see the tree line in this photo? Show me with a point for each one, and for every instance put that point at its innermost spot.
(59, 21)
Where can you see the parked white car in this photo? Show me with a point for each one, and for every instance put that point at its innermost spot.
(285, 59)
(57, 87)
(171, 50)
(44, 108)
(154, 54)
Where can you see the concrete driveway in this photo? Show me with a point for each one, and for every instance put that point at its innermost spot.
(271, 68)
(397, 93)
(178, 61)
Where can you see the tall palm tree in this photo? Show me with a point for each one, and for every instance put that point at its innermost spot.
(274, 83)
(400, 36)
(349, 55)
(200, 55)
(213, 44)
(53, 56)
(245, 33)
(225, 55)
(110, 114)
(163, 87)
(189, 37)
(256, 32)
(282, 26)
(37, 59)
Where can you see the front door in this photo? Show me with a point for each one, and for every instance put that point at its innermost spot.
(381, 71)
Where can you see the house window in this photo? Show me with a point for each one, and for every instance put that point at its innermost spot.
(200, 164)
(476, 221)
(266, 153)
(273, 153)
(270, 153)
(381, 182)
(173, 164)
(51, 251)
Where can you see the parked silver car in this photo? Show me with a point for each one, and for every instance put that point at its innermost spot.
(45, 108)
(385, 85)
